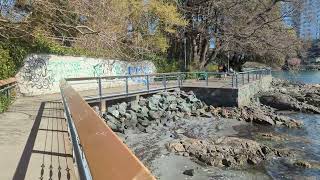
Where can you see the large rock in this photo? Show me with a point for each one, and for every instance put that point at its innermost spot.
(279, 101)
(142, 101)
(113, 123)
(185, 107)
(256, 113)
(115, 113)
(286, 95)
(135, 106)
(224, 152)
(122, 108)
(260, 117)
(155, 114)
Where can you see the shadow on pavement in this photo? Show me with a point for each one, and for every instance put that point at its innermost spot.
(46, 154)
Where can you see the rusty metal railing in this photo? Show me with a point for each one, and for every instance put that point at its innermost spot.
(98, 151)
(6, 86)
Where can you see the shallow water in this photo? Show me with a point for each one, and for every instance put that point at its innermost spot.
(307, 141)
(304, 142)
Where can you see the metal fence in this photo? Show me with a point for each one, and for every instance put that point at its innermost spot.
(6, 92)
(246, 77)
(132, 84)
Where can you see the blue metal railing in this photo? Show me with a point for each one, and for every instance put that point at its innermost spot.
(165, 81)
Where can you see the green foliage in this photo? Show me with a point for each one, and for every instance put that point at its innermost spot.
(212, 68)
(13, 52)
(162, 64)
(44, 45)
(4, 102)
(7, 66)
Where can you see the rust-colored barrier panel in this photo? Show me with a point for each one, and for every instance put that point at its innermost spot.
(7, 81)
(107, 156)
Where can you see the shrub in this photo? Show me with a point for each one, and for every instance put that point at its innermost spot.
(162, 64)
(7, 66)
(13, 52)
(4, 102)
(212, 68)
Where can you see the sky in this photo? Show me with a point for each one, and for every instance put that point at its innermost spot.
(6, 10)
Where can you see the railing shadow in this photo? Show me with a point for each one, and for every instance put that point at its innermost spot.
(46, 146)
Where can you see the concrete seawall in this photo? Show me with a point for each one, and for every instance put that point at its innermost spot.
(229, 97)
(246, 92)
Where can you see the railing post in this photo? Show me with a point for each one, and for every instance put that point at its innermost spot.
(181, 76)
(8, 93)
(148, 83)
(248, 77)
(260, 74)
(236, 80)
(243, 79)
(164, 79)
(178, 79)
(127, 85)
(100, 95)
(207, 79)
(232, 80)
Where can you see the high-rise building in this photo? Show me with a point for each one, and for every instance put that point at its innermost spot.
(309, 26)
(306, 20)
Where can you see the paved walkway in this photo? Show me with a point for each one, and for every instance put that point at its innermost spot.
(34, 140)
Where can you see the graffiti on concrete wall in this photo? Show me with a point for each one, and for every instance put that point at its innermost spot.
(36, 74)
(41, 74)
(139, 70)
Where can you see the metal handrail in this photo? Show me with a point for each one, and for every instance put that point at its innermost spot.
(163, 80)
(160, 74)
(6, 88)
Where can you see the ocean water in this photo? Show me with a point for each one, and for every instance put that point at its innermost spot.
(309, 77)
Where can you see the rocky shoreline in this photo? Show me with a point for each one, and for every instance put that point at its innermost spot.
(178, 122)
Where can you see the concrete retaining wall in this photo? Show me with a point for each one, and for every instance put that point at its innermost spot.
(42, 73)
(246, 92)
(229, 97)
(226, 97)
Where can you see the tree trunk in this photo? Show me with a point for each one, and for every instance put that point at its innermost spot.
(203, 54)
(194, 49)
